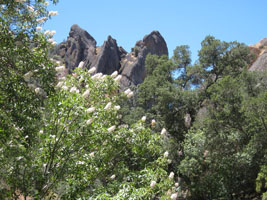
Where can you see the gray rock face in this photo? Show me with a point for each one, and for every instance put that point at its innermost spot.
(260, 63)
(81, 46)
(108, 59)
(133, 65)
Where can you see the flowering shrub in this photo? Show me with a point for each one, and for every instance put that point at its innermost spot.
(84, 146)
(63, 137)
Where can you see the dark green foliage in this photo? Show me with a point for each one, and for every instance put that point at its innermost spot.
(225, 145)
(233, 135)
(160, 98)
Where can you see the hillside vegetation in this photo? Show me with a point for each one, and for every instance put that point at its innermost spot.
(189, 131)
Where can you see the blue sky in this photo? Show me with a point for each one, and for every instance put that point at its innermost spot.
(179, 21)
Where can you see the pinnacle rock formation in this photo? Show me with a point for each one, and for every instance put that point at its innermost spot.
(81, 46)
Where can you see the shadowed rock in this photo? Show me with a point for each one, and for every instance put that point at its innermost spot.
(108, 57)
(81, 46)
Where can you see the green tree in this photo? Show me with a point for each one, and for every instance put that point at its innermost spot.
(27, 77)
(224, 151)
(218, 58)
(66, 140)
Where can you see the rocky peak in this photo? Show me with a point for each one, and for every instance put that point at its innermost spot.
(81, 46)
(155, 44)
(133, 65)
(79, 34)
(108, 58)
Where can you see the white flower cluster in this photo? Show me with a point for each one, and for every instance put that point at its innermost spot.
(118, 78)
(52, 41)
(143, 119)
(174, 196)
(86, 93)
(41, 20)
(113, 177)
(40, 91)
(153, 123)
(50, 33)
(129, 93)
(30, 8)
(53, 13)
(171, 175)
(39, 28)
(74, 90)
(60, 84)
(92, 154)
(153, 183)
(81, 64)
(33, 86)
(111, 129)
(166, 154)
(28, 76)
(20, 1)
(96, 76)
(163, 132)
(114, 74)
(117, 107)
(89, 121)
(108, 106)
(92, 70)
(90, 110)
(60, 68)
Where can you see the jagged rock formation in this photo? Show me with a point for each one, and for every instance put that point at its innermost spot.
(260, 50)
(133, 65)
(81, 46)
